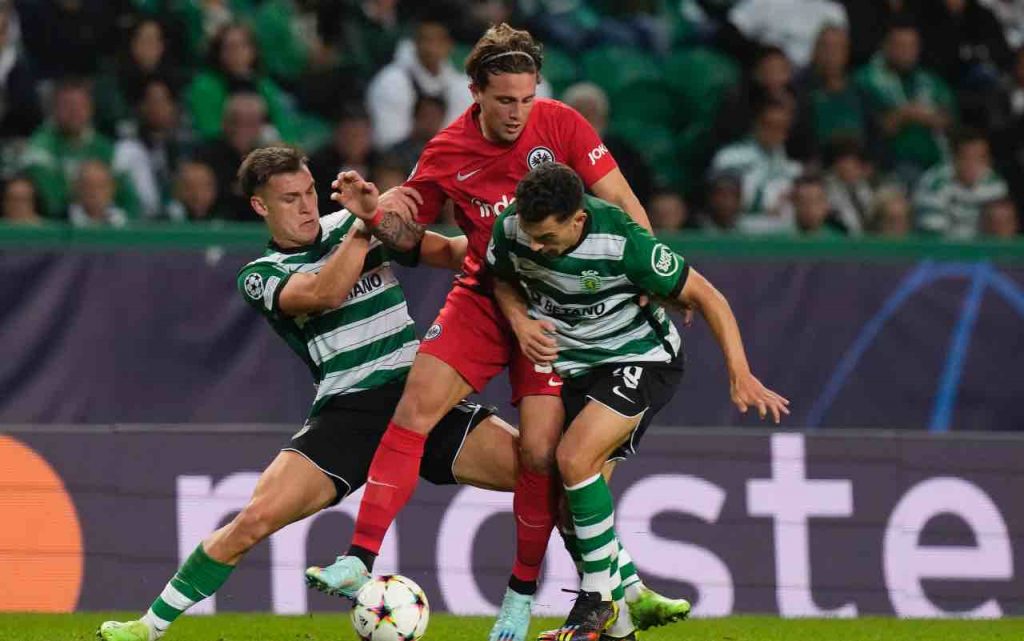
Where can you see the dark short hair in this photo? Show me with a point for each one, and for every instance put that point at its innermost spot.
(426, 100)
(810, 179)
(263, 164)
(769, 51)
(902, 22)
(966, 135)
(213, 50)
(551, 189)
(503, 49)
(843, 146)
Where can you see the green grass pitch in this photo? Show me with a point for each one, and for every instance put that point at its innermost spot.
(335, 627)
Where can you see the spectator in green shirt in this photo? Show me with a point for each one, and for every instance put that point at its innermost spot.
(951, 196)
(829, 99)
(913, 108)
(234, 67)
(59, 147)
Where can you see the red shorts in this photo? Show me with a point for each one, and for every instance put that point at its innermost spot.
(472, 336)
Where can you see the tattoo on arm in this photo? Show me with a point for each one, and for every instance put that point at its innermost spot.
(398, 233)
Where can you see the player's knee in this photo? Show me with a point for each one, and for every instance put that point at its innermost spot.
(573, 465)
(537, 457)
(419, 410)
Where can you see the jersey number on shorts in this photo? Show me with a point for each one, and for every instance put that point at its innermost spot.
(630, 375)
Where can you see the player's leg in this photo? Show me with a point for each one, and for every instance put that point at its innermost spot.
(488, 458)
(591, 438)
(432, 389)
(290, 489)
(647, 608)
(460, 354)
(536, 391)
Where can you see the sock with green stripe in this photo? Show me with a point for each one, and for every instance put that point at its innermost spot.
(593, 517)
(631, 582)
(199, 577)
(572, 546)
(623, 625)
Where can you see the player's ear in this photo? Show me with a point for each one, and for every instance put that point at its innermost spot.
(258, 206)
(475, 92)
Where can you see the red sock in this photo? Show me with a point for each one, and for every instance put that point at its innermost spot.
(535, 507)
(391, 481)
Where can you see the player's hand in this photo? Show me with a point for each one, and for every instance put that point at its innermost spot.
(536, 339)
(356, 194)
(747, 392)
(402, 200)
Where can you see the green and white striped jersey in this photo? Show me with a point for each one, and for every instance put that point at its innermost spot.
(948, 207)
(590, 292)
(367, 341)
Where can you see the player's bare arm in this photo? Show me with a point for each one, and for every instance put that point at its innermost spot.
(444, 252)
(397, 227)
(746, 391)
(327, 289)
(615, 189)
(534, 336)
(390, 217)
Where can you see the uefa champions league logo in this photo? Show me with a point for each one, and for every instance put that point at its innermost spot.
(254, 286)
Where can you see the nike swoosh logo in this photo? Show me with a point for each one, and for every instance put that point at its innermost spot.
(615, 390)
(461, 176)
(552, 382)
(372, 482)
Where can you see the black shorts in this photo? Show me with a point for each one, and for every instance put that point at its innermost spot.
(342, 439)
(629, 389)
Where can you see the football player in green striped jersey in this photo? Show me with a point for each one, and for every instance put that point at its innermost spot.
(571, 270)
(326, 287)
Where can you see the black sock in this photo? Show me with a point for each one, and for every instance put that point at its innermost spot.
(363, 555)
(528, 588)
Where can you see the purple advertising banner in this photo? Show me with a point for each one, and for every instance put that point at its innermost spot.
(164, 337)
(800, 524)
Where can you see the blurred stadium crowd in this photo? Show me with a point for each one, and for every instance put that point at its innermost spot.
(815, 117)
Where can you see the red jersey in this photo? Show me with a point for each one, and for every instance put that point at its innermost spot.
(481, 176)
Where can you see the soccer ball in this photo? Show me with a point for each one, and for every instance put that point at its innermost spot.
(390, 608)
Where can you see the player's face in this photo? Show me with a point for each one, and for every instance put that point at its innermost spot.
(552, 237)
(288, 203)
(505, 105)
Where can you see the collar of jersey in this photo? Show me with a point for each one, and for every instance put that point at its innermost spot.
(297, 250)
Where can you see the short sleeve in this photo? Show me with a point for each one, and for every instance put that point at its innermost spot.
(499, 259)
(261, 284)
(422, 180)
(652, 265)
(585, 152)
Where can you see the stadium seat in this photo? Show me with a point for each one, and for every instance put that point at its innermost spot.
(658, 146)
(459, 53)
(700, 76)
(613, 68)
(559, 69)
(646, 101)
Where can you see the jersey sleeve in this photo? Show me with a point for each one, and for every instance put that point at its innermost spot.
(424, 180)
(261, 285)
(651, 265)
(583, 149)
(499, 249)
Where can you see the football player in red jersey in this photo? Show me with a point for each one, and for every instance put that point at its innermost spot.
(477, 162)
